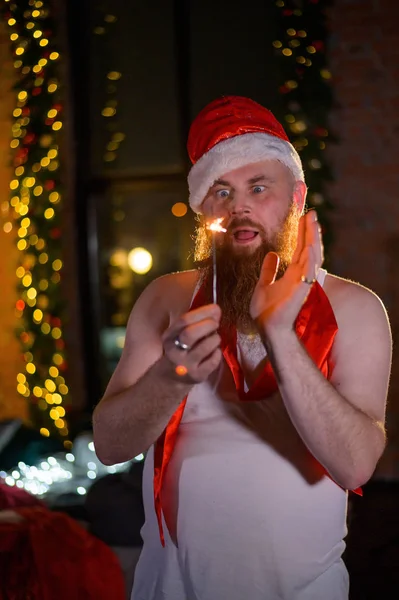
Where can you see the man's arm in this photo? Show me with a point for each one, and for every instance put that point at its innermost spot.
(145, 389)
(341, 421)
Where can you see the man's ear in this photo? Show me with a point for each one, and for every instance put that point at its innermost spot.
(300, 193)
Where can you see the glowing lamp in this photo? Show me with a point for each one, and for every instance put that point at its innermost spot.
(139, 260)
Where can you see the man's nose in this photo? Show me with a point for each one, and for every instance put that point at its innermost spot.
(240, 204)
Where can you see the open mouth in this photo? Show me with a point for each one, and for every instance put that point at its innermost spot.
(245, 235)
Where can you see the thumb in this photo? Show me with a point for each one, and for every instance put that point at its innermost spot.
(269, 268)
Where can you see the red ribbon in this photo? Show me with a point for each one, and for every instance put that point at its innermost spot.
(315, 326)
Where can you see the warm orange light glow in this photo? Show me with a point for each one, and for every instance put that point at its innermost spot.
(181, 370)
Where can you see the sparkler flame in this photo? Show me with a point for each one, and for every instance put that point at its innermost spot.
(216, 226)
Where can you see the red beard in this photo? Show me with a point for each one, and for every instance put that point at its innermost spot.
(238, 270)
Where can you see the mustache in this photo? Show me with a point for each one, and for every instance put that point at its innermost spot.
(244, 222)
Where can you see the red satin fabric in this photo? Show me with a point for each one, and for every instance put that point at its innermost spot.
(315, 326)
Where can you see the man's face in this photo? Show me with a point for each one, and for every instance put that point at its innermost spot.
(253, 201)
(261, 205)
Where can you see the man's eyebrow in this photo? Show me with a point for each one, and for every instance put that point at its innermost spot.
(221, 182)
(259, 178)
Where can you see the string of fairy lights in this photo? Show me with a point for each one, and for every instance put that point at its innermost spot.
(306, 94)
(34, 213)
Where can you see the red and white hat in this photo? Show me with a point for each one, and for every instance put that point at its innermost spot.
(232, 132)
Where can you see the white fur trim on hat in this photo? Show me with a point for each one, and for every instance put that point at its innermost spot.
(237, 152)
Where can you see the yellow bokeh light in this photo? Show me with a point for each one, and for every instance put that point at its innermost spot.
(57, 359)
(19, 171)
(29, 181)
(50, 385)
(22, 232)
(14, 143)
(25, 222)
(14, 37)
(21, 389)
(43, 258)
(57, 264)
(179, 209)
(52, 154)
(37, 391)
(43, 284)
(52, 88)
(57, 399)
(35, 13)
(54, 414)
(54, 56)
(54, 197)
(22, 96)
(27, 280)
(56, 333)
(139, 260)
(108, 111)
(53, 166)
(40, 244)
(114, 75)
(45, 328)
(59, 423)
(287, 52)
(61, 411)
(33, 239)
(19, 51)
(22, 245)
(37, 34)
(53, 371)
(30, 368)
(7, 227)
(45, 432)
(37, 315)
(45, 161)
(20, 272)
(21, 378)
(31, 293)
(56, 125)
(49, 213)
(17, 64)
(49, 398)
(63, 389)
(38, 190)
(14, 184)
(43, 42)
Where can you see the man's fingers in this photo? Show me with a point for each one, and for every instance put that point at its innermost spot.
(269, 268)
(300, 243)
(193, 334)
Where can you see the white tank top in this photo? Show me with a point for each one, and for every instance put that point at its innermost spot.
(248, 515)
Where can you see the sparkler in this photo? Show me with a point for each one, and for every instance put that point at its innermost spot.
(215, 227)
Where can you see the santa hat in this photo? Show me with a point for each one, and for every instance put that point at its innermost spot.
(232, 132)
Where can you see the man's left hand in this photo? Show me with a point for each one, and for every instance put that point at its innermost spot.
(276, 304)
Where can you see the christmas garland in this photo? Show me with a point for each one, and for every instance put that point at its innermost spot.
(35, 212)
(306, 94)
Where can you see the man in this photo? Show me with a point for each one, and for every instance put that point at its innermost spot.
(260, 411)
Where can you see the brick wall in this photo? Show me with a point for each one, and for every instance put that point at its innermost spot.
(364, 59)
(12, 405)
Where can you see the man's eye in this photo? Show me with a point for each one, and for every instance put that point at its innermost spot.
(222, 193)
(258, 189)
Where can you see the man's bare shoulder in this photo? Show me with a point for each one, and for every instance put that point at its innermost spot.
(352, 301)
(166, 297)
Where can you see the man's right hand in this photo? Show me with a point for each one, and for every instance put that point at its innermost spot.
(196, 329)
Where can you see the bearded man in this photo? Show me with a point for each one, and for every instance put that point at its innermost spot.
(260, 412)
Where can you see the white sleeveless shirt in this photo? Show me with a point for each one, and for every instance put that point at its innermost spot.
(248, 515)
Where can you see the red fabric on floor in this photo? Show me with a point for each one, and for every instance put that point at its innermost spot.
(48, 556)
